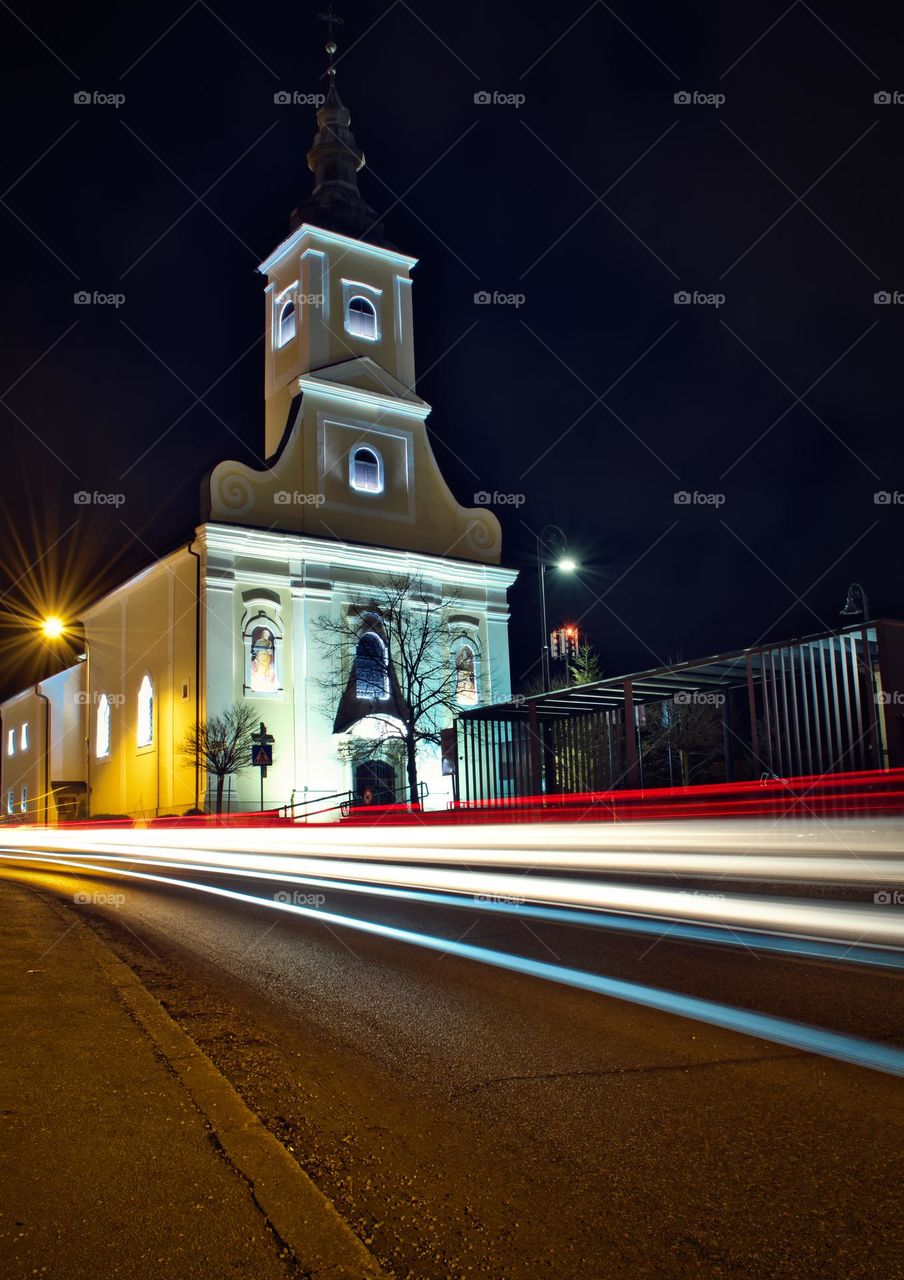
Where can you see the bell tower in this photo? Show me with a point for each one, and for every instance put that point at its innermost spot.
(336, 290)
(348, 455)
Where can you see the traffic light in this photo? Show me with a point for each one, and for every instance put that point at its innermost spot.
(564, 643)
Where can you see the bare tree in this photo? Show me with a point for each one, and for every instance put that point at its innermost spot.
(688, 726)
(406, 679)
(222, 744)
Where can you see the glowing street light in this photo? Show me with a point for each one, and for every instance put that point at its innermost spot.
(53, 627)
(550, 536)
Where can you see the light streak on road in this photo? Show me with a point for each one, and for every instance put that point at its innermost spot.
(840, 852)
(863, 923)
(849, 953)
(806, 1038)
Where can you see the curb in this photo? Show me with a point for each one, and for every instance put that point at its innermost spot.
(300, 1214)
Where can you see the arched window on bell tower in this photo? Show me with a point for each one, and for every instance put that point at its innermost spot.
(286, 323)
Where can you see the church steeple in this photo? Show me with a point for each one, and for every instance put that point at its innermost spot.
(336, 204)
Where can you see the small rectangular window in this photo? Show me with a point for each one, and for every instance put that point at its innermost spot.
(24, 737)
(11, 743)
(11, 802)
(24, 804)
(185, 690)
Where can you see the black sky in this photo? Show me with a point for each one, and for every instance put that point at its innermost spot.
(787, 199)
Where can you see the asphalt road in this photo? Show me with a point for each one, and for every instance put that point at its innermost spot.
(469, 1121)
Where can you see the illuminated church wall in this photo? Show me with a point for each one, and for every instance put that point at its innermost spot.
(141, 641)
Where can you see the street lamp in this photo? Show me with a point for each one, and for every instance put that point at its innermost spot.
(856, 602)
(53, 628)
(549, 537)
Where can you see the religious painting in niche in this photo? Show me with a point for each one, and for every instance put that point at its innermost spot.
(264, 676)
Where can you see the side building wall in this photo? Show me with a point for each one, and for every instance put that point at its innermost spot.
(42, 769)
(143, 636)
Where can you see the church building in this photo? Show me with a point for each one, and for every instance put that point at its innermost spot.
(350, 498)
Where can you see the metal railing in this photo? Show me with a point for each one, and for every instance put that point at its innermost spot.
(349, 803)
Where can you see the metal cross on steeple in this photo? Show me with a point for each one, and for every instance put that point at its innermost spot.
(332, 19)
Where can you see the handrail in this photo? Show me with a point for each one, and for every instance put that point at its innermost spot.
(348, 801)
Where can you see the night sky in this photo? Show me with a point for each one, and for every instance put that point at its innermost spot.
(597, 198)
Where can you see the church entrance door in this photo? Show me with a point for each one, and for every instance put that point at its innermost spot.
(375, 783)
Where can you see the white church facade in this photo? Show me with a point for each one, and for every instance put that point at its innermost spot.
(350, 498)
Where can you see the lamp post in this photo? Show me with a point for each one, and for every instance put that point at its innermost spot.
(54, 628)
(549, 537)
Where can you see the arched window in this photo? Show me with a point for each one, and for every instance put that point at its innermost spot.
(371, 669)
(285, 328)
(145, 712)
(102, 745)
(264, 675)
(366, 471)
(466, 676)
(361, 317)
